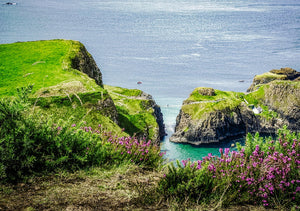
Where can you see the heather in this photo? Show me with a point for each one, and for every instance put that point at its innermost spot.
(30, 146)
(264, 172)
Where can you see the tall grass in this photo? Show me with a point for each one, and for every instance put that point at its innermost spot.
(33, 147)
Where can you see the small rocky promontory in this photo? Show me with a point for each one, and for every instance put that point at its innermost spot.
(138, 113)
(212, 116)
(285, 73)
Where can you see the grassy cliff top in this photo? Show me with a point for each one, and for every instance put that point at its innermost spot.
(44, 64)
(210, 94)
(205, 100)
(270, 76)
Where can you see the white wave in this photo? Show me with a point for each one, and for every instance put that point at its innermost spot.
(174, 6)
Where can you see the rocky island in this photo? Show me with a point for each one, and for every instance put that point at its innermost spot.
(212, 116)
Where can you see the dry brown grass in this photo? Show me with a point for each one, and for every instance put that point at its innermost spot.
(96, 189)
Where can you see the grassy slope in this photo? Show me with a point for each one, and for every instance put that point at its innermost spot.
(42, 63)
(134, 113)
(47, 65)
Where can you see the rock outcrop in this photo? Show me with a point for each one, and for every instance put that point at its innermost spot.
(160, 130)
(84, 62)
(286, 73)
(138, 113)
(211, 118)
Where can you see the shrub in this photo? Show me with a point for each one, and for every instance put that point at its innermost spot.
(31, 147)
(264, 172)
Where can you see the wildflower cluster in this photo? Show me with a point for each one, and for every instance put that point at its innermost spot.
(31, 146)
(129, 148)
(268, 177)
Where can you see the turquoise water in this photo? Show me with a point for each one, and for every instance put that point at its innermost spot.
(185, 151)
(172, 46)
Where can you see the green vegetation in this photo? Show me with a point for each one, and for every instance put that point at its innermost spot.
(42, 63)
(59, 148)
(196, 95)
(136, 114)
(29, 146)
(265, 172)
(123, 91)
(198, 105)
(269, 76)
(61, 92)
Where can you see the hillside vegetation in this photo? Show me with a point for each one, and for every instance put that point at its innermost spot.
(65, 83)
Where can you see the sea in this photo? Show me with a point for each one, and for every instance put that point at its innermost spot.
(170, 46)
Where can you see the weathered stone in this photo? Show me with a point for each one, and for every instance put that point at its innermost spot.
(286, 73)
(207, 91)
(84, 62)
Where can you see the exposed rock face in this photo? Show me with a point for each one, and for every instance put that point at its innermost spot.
(290, 73)
(207, 91)
(84, 62)
(221, 125)
(160, 130)
(284, 98)
(286, 73)
(281, 102)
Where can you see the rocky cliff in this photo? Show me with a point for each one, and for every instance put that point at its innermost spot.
(286, 73)
(210, 116)
(138, 113)
(84, 62)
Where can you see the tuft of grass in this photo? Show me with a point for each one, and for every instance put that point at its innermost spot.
(269, 76)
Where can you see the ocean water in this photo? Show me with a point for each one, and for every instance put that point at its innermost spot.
(171, 46)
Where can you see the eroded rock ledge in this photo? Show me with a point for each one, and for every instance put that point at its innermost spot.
(212, 116)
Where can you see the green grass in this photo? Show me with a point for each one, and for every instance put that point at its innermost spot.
(80, 108)
(256, 97)
(136, 115)
(196, 96)
(42, 63)
(268, 76)
(59, 91)
(199, 105)
(123, 91)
